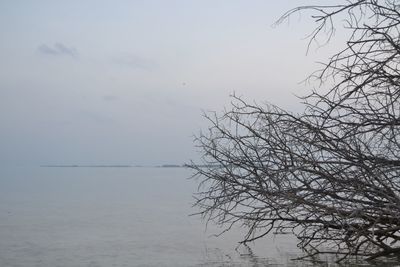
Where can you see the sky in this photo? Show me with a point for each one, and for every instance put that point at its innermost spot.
(127, 82)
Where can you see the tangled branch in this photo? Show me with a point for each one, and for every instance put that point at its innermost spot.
(330, 175)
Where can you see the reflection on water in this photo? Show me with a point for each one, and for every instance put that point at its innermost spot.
(120, 217)
(247, 258)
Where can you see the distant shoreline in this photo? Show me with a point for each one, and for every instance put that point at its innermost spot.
(86, 166)
(130, 166)
(113, 166)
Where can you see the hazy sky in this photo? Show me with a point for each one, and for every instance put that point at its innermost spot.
(125, 82)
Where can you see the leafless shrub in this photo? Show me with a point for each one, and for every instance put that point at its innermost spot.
(330, 175)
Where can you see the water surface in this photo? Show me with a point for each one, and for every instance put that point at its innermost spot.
(117, 217)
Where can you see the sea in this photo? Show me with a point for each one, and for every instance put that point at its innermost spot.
(120, 216)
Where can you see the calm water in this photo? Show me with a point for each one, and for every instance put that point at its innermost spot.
(117, 217)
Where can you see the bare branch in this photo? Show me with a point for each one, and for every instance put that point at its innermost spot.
(330, 175)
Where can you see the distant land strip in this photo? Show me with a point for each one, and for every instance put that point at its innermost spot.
(111, 166)
(86, 166)
(129, 166)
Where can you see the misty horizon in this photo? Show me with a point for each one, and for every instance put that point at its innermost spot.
(114, 86)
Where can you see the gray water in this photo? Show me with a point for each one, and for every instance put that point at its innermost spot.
(118, 217)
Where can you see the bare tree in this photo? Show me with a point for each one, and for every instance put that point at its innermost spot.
(330, 175)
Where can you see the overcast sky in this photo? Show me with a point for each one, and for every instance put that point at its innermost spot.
(125, 82)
